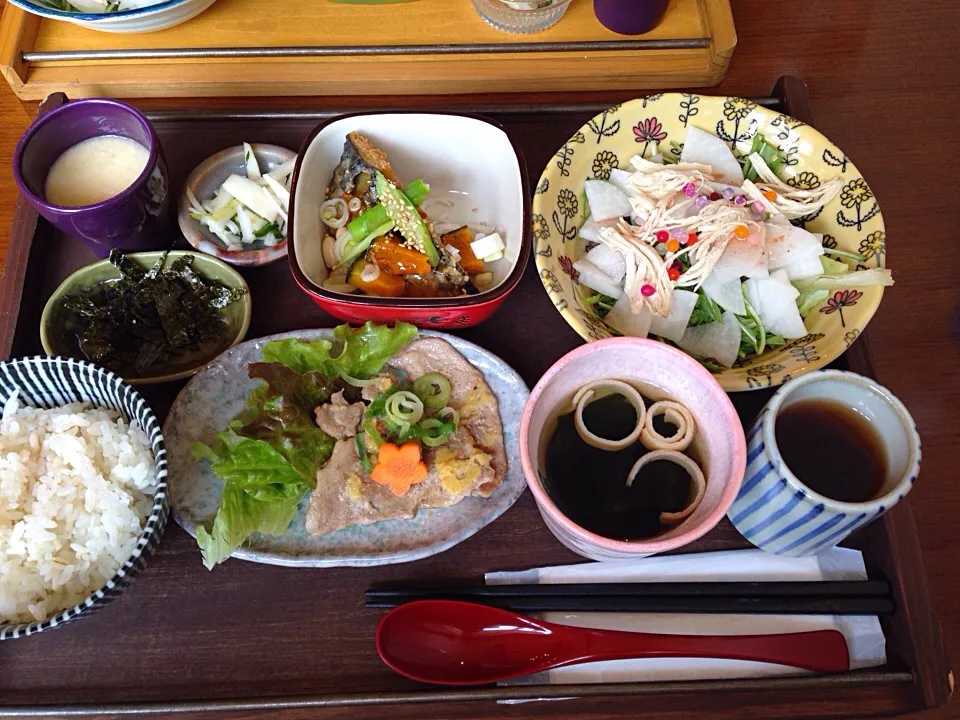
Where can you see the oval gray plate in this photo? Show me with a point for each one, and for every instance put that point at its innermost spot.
(219, 391)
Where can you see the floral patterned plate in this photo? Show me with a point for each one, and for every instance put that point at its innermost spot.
(851, 221)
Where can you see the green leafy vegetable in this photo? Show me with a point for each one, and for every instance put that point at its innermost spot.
(239, 516)
(753, 336)
(770, 153)
(833, 267)
(809, 300)
(302, 355)
(705, 311)
(602, 303)
(251, 465)
(366, 349)
(873, 277)
(268, 456)
(856, 257)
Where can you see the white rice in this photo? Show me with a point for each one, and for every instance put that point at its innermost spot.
(76, 485)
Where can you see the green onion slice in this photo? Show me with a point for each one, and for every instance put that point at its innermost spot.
(433, 440)
(434, 388)
(451, 414)
(404, 408)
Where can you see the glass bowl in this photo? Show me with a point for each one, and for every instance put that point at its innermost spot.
(521, 16)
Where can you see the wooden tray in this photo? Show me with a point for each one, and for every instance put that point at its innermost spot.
(259, 639)
(252, 47)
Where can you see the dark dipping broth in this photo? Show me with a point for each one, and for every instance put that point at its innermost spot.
(832, 449)
(589, 485)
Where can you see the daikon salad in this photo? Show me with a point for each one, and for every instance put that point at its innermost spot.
(250, 208)
(702, 252)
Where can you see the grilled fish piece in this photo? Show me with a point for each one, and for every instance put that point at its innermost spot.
(357, 170)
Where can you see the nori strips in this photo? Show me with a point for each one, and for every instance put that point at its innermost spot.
(146, 318)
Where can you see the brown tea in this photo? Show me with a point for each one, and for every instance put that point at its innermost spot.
(832, 449)
(588, 485)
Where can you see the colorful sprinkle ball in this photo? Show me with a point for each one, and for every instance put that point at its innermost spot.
(701, 201)
(647, 290)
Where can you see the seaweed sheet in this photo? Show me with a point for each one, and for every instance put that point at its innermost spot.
(147, 317)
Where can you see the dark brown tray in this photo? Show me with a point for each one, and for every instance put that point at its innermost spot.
(257, 640)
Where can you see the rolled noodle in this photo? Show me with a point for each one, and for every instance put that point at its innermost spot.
(676, 414)
(582, 399)
(696, 477)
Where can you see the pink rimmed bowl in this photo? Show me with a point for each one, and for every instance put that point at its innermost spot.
(658, 371)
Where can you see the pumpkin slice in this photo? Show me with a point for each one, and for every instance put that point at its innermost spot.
(392, 257)
(383, 284)
(460, 239)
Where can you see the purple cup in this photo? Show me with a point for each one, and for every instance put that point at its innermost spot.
(133, 220)
(630, 17)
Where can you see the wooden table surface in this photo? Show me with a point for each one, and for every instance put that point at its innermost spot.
(884, 79)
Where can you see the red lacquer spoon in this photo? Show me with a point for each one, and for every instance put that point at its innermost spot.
(447, 642)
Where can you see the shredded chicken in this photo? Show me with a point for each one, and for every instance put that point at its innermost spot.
(715, 228)
(794, 202)
(659, 203)
(644, 267)
(656, 184)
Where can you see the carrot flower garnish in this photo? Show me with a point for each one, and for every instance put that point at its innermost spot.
(399, 467)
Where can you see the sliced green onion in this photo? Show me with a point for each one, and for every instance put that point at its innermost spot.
(404, 408)
(451, 413)
(357, 382)
(371, 429)
(362, 452)
(432, 440)
(434, 388)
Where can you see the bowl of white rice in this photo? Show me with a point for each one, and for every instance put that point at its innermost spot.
(83, 493)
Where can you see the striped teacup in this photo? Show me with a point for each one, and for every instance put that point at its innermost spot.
(778, 513)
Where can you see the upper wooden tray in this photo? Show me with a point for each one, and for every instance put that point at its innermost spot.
(250, 47)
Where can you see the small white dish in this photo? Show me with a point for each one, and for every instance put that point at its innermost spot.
(149, 19)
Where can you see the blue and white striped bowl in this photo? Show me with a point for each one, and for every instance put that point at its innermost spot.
(779, 514)
(49, 382)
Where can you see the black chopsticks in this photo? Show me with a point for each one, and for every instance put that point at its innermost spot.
(866, 597)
